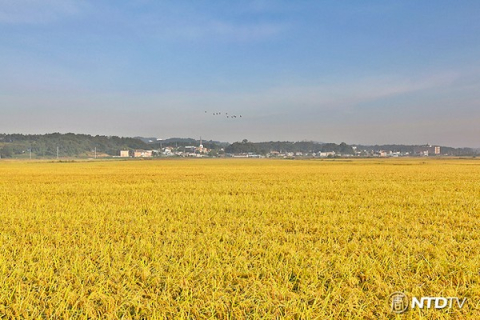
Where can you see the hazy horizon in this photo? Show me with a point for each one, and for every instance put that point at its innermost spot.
(403, 72)
(240, 140)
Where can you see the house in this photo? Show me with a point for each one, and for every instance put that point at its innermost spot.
(326, 154)
(189, 149)
(426, 150)
(168, 152)
(143, 154)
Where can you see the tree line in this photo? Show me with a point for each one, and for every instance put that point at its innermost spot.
(286, 146)
(83, 145)
(68, 145)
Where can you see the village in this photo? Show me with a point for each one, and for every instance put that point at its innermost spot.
(202, 152)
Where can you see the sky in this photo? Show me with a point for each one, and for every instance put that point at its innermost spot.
(360, 72)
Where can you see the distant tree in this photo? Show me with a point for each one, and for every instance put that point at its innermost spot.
(6, 151)
(242, 147)
(70, 144)
(344, 148)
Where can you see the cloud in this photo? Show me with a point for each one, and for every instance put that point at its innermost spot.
(179, 21)
(437, 108)
(212, 29)
(339, 97)
(169, 21)
(239, 32)
(36, 11)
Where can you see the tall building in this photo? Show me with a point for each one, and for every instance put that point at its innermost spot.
(200, 147)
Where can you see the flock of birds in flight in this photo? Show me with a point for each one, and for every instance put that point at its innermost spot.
(226, 114)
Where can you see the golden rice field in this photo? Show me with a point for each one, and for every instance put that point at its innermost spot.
(237, 239)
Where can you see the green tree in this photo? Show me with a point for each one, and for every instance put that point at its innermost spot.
(6, 151)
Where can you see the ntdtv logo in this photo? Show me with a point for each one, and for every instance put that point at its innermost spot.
(399, 302)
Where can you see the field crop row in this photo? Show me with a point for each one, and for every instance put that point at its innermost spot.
(237, 239)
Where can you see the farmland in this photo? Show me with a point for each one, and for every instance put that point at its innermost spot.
(234, 239)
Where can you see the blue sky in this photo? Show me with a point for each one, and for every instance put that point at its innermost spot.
(368, 72)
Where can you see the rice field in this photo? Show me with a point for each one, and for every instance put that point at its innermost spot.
(238, 239)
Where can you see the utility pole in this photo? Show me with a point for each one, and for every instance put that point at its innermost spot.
(57, 152)
(95, 152)
(30, 153)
